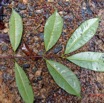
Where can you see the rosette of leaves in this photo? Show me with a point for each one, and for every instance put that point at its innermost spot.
(61, 74)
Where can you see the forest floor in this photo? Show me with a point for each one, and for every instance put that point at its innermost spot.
(35, 14)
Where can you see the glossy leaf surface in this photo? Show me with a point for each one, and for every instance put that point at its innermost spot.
(82, 35)
(15, 30)
(53, 29)
(90, 60)
(23, 84)
(64, 77)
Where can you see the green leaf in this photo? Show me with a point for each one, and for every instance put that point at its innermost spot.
(23, 85)
(53, 29)
(82, 35)
(15, 29)
(64, 77)
(89, 60)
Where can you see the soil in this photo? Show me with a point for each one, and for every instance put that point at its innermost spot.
(35, 14)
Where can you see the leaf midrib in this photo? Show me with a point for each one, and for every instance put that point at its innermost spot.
(22, 82)
(14, 29)
(63, 78)
(79, 38)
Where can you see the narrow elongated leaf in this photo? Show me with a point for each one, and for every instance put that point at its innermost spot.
(23, 84)
(82, 35)
(53, 29)
(89, 60)
(15, 30)
(64, 77)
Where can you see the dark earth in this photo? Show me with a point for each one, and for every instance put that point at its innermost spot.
(35, 14)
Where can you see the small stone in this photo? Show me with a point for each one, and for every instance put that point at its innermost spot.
(4, 48)
(46, 16)
(26, 66)
(61, 12)
(6, 30)
(67, 3)
(36, 38)
(35, 81)
(40, 52)
(23, 15)
(99, 85)
(34, 69)
(59, 91)
(25, 1)
(65, 26)
(30, 8)
(7, 77)
(83, 12)
(38, 73)
(50, 0)
(64, 33)
(39, 11)
(89, 11)
(101, 47)
(98, 42)
(41, 36)
(60, 3)
(30, 13)
(69, 18)
(57, 49)
(17, 9)
(39, 78)
(35, 50)
(66, 17)
(21, 6)
(2, 67)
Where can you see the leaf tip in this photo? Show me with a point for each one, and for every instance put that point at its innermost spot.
(96, 19)
(79, 96)
(16, 64)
